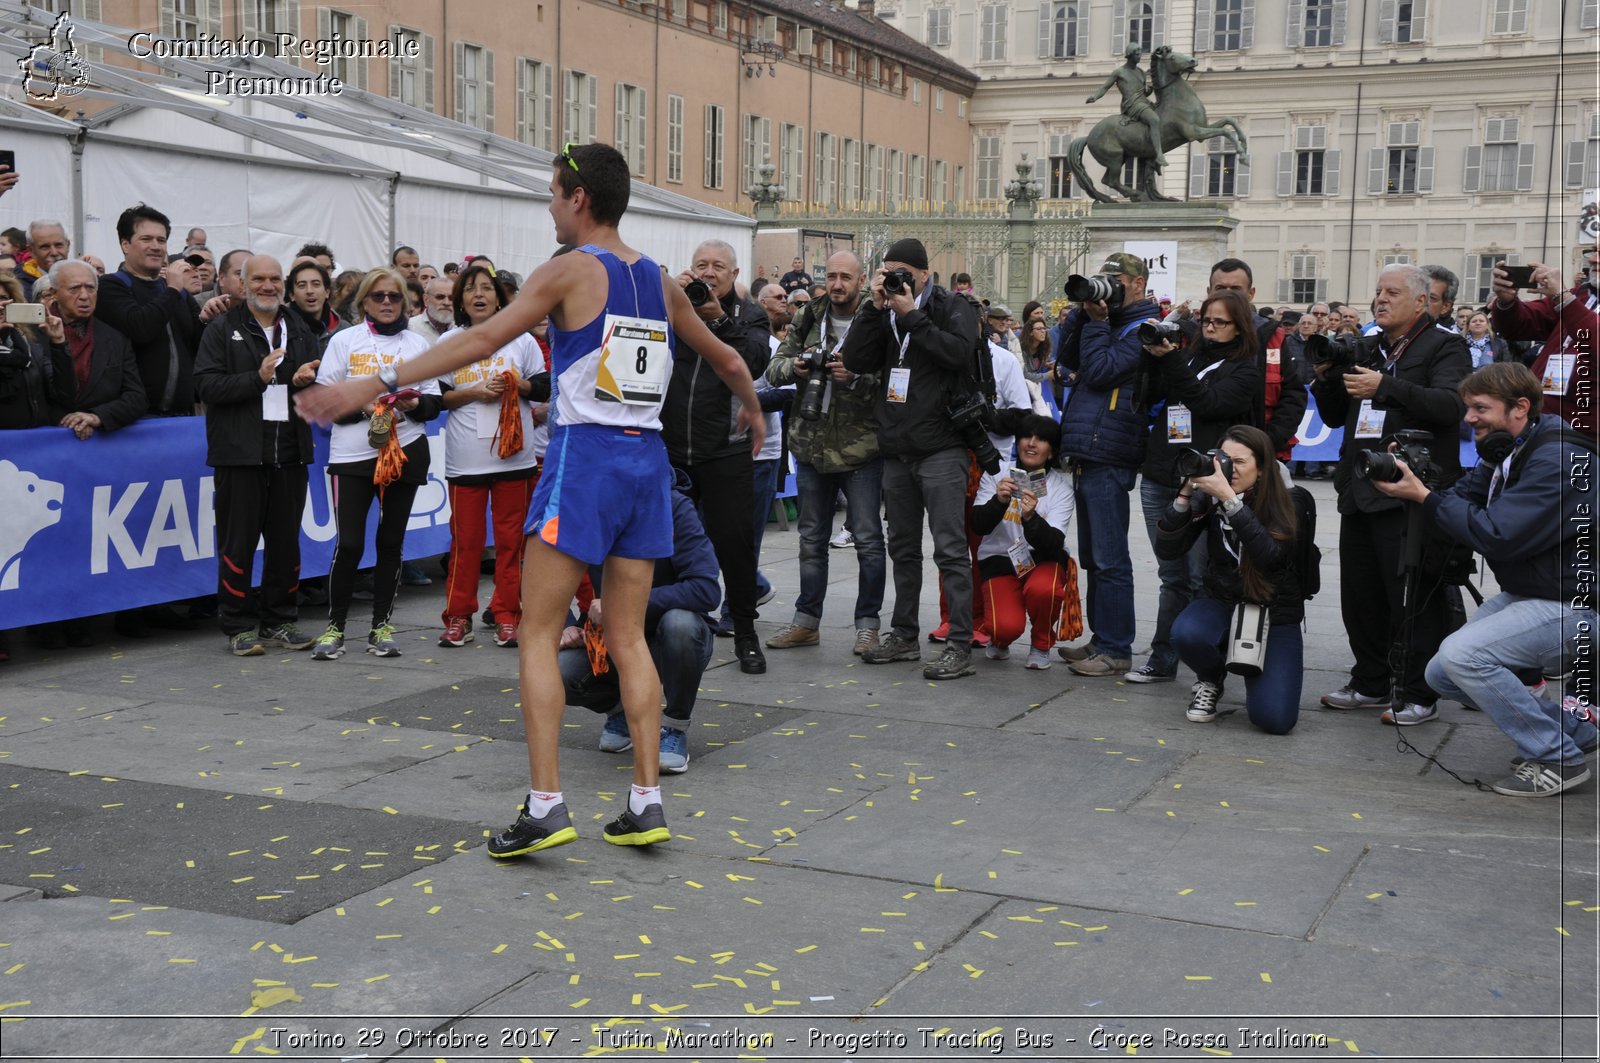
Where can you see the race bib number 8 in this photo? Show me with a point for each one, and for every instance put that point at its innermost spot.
(635, 361)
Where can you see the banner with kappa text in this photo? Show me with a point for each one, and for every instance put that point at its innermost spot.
(124, 520)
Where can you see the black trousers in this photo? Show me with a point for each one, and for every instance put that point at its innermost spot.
(1371, 587)
(255, 503)
(723, 490)
(352, 499)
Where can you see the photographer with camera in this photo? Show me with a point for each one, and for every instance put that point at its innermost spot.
(1247, 618)
(702, 439)
(1528, 508)
(1566, 321)
(833, 435)
(1200, 390)
(924, 341)
(1023, 561)
(1104, 430)
(1402, 379)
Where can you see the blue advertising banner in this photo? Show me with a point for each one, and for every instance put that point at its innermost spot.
(124, 520)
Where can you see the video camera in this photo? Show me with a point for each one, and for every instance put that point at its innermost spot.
(1381, 465)
(1097, 289)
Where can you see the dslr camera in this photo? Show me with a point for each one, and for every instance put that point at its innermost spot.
(1338, 353)
(817, 362)
(698, 291)
(968, 416)
(1190, 464)
(1097, 289)
(896, 281)
(1382, 466)
(1153, 333)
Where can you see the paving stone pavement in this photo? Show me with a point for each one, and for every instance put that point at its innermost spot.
(207, 857)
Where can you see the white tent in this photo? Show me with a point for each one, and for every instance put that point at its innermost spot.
(358, 172)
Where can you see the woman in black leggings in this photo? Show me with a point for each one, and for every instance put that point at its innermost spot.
(362, 472)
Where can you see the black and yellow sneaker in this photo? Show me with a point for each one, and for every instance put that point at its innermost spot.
(529, 835)
(642, 828)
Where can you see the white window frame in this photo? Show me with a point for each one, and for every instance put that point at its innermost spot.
(938, 31)
(987, 151)
(756, 147)
(674, 139)
(994, 23)
(411, 78)
(1508, 18)
(1512, 160)
(474, 85)
(792, 152)
(535, 102)
(632, 118)
(580, 107)
(825, 171)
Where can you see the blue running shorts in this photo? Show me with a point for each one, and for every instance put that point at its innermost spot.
(604, 492)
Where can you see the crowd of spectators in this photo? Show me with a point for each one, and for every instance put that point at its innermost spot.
(863, 375)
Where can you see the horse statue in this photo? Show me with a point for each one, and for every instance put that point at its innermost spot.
(1183, 121)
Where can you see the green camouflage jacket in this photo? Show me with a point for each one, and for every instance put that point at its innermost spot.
(846, 436)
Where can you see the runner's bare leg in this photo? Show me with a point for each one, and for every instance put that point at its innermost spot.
(549, 580)
(627, 591)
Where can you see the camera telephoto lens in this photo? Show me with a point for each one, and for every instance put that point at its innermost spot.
(1153, 333)
(896, 281)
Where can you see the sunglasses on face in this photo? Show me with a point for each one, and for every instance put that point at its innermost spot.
(386, 297)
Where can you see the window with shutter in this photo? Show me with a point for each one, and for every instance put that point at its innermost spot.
(675, 139)
(938, 27)
(1402, 21)
(1589, 16)
(712, 175)
(988, 157)
(918, 190)
(1141, 29)
(992, 37)
(1303, 287)
(1311, 169)
(1503, 164)
(580, 107)
(534, 102)
(630, 127)
(1318, 24)
(792, 143)
(406, 74)
(1058, 173)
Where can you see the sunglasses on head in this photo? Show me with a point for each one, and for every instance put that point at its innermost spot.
(566, 157)
(386, 297)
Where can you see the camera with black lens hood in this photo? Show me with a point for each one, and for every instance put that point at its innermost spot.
(1383, 466)
(968, 417)
(698, 291)
(1191, 464)
(1155, 333)
(817, 362)
(1101, 288)
(1337, 354)
(896, 281)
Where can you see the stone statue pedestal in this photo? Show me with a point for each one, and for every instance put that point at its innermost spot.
(1200, 230)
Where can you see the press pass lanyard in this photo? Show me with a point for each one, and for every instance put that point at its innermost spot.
(1392, 358)
(894, 324)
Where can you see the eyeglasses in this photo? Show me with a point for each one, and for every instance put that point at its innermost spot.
(1216, 322)
(386, 297)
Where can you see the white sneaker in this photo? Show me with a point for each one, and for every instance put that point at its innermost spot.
(1203, 702)
(842, 539)
(997, 653)
(1410, 715)
(1038, 659)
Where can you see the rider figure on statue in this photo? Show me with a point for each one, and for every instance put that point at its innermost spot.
(1129, 80)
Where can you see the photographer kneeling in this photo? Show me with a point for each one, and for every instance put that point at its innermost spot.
(1023, 558)
(1528, 507)
(1248, 519)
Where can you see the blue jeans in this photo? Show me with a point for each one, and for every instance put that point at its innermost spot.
(681, 647)
(1272, 699)
(1103, 492)
(1475, 664)
(1180, 577)
(863, 493)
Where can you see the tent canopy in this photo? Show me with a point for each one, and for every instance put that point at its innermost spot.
(358, 172)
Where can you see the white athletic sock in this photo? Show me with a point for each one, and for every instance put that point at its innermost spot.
(642, 797)
(540, 803)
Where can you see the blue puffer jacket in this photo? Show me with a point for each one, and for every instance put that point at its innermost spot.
(1106, 419)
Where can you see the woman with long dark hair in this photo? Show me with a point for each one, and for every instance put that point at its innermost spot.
(379, 454)
(489, 462)
(1249, 524)
(1200, 388)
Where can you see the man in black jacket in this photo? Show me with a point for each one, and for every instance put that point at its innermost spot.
(107, 392)
(162, 323)
(1407, 379)
(251, 359)
(699, 430)
(925, 343)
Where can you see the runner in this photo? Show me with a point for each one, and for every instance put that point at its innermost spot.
(605, 495)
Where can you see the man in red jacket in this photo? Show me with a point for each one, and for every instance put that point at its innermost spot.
(1566, 320)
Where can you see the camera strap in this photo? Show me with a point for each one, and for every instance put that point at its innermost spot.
(1392, 358)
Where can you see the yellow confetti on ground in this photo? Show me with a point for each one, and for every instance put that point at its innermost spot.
(1373, 896)
(375, 978)
(805, 949)
(1355, 815)
(1563, 931)
(1265, 977)
(1186, 892)
(1197, 978)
